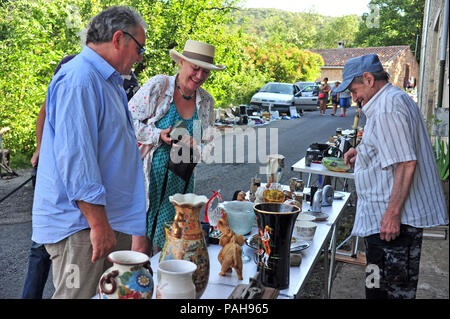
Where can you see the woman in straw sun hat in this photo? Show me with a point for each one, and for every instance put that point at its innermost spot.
(161, 103)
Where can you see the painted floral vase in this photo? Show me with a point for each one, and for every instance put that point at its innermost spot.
(185, 239)
(175, 279)
(275, 225)
(130, 277)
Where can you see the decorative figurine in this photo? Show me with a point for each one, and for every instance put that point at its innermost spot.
(239, 195)
(231, 254)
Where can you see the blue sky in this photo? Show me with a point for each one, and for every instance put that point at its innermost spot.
(335, 8)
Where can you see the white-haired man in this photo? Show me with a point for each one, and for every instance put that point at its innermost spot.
(90, 197)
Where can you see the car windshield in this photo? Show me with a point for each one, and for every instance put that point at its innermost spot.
(278, 88)
(308, 88)
(303, 85)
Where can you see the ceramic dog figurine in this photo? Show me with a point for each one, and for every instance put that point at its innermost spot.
(231, 254)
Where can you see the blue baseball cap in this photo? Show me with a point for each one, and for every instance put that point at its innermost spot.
(355, 67)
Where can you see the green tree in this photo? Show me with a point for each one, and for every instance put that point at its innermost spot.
(338, 29)
(305, 30)
(391, 22)
(284, 63)
(36, 35)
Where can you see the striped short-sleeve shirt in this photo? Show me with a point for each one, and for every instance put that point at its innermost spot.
(395, 132)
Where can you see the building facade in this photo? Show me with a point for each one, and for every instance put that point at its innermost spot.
(434, 81)
(398, 61)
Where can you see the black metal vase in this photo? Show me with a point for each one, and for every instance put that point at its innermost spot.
(275, 225)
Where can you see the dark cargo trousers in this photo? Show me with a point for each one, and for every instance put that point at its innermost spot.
(393, 267)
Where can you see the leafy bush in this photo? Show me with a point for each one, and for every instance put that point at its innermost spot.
(285, 63)
(442, 159)
(34, 36)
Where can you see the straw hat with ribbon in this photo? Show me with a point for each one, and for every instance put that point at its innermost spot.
(198, 53)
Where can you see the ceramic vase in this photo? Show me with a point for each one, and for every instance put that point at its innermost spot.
(175, 279)
(186, 240)
(275, 225)
(130, 277)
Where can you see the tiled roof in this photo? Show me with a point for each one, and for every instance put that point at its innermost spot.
(338, 57)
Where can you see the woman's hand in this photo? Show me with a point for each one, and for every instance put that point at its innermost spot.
(164, 135)
(35, 158)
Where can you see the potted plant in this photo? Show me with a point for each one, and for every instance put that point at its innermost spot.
(442, 159)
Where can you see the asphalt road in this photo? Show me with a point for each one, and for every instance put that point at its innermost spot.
(292, 136)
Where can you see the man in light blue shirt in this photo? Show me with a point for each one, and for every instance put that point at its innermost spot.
(90, 195)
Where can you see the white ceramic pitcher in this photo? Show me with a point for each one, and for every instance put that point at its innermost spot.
(175, 279)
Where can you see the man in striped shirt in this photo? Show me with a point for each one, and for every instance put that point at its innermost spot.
(398, 187)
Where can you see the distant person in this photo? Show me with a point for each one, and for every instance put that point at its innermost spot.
(83, 209)
(344, 102)
(335, 97)
(39, 262)
(396, 178)
(323, 96)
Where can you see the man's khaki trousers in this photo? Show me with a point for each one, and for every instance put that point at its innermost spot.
(74, 274)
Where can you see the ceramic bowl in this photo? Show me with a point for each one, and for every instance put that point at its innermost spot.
(305, 230)
(305, 217)
(240, 215)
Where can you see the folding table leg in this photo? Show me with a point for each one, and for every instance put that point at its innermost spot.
(332, 260)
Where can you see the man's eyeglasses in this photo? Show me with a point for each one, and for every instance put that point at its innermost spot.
(140, 47)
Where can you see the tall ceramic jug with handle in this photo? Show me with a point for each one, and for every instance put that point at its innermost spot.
(130, 277)
(185, 239)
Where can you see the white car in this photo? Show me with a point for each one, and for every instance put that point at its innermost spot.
(276, 96)
(302, 85)
(307, 98)
(280, 97)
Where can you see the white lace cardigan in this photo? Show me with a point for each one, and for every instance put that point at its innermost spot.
(143, 105)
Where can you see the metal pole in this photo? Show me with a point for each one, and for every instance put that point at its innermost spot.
(332, 261)
(442, 56)
(415, 49)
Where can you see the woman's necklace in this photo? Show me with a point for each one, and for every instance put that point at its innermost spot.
(186, 97)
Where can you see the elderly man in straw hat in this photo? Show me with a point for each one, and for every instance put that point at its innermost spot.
(398, 187)
(161, 104)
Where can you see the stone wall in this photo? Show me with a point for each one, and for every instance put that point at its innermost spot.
(397, 68)
(430, 56)
(333, 74)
